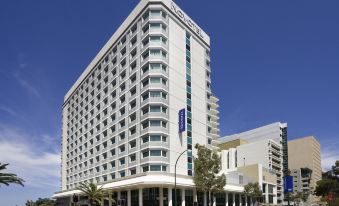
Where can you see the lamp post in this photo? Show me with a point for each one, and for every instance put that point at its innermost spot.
(175, 177)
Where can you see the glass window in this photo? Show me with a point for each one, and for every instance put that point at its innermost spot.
(155, 138)
(155, 108)
(155, 38)
(155, 123)
(155, 94)
(145, 139)
(155, 66)
(145, 168)
(155, 80)
(155, 52)
(155, 167)
(145, 154)
(155, 152)
(155, 25)
(155, 12)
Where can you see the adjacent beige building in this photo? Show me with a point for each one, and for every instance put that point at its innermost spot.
(304, 155)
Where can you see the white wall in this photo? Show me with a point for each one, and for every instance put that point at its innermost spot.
(254, 153)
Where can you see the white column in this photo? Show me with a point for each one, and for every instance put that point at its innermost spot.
(205, 199)
(195, 197)
(119, 195)
(140, 196)
(240, 200)
(214, 200)
(182, 197)
(266, 195)
(129, 197)
(161, 196)
(233, 199)
(170, 198)
(246, 202)
(226, 204)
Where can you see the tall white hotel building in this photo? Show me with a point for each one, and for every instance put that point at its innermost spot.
(120, 118)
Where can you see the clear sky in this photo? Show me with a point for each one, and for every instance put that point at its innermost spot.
(271, 61)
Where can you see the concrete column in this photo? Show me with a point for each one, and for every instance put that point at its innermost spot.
(195, 196)
(205, 199)
(140, 196)
(226, 204)
(129, 197)
(119, 195)
(240, 200)
(170, 198)
(233, 199)
(182, 197)
(266, 195)
(161, 196)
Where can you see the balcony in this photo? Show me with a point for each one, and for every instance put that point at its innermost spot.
(154, 115)
(154, 130)
(154, 100)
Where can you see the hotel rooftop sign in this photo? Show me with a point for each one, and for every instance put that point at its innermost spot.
(189, 22)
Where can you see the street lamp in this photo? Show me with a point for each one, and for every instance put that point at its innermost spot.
(175, 177)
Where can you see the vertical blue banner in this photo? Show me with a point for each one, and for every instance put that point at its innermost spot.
(182, 120)
(288, 184)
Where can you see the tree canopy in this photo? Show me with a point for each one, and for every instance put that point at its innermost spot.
(207, 167)
(329, 183)
(253, 190)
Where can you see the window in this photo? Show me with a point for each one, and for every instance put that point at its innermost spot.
(155, 167)
(122, 161)
(155, 13)
(155, 153)
(155, 138)
(155, 94)
(155, 52)
(155, 80)
(133, 144)
(122, 148)
(155, 66)
(155, 108)
(132, 158)
(155, 123)
(122, 174)
(133, 171)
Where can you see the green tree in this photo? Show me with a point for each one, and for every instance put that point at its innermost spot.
(206, 169)
(45, 202)
(8, 178)
(41, 202)
(253, 190)
(329, 183)
(29, 203)
(94, 193)
(326, 186)
(335, 168)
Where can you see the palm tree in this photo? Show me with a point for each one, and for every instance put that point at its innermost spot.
(8, 178)
(93, 192)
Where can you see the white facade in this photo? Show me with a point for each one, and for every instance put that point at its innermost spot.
(266, 146)
(120, 118)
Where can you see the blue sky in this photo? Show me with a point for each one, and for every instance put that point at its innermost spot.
(271, 61)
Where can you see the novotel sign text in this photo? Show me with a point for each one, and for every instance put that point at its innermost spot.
(182, 120)
(187, 20)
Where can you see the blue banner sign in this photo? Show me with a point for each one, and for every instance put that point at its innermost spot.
(182, 120)
(288, 184)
